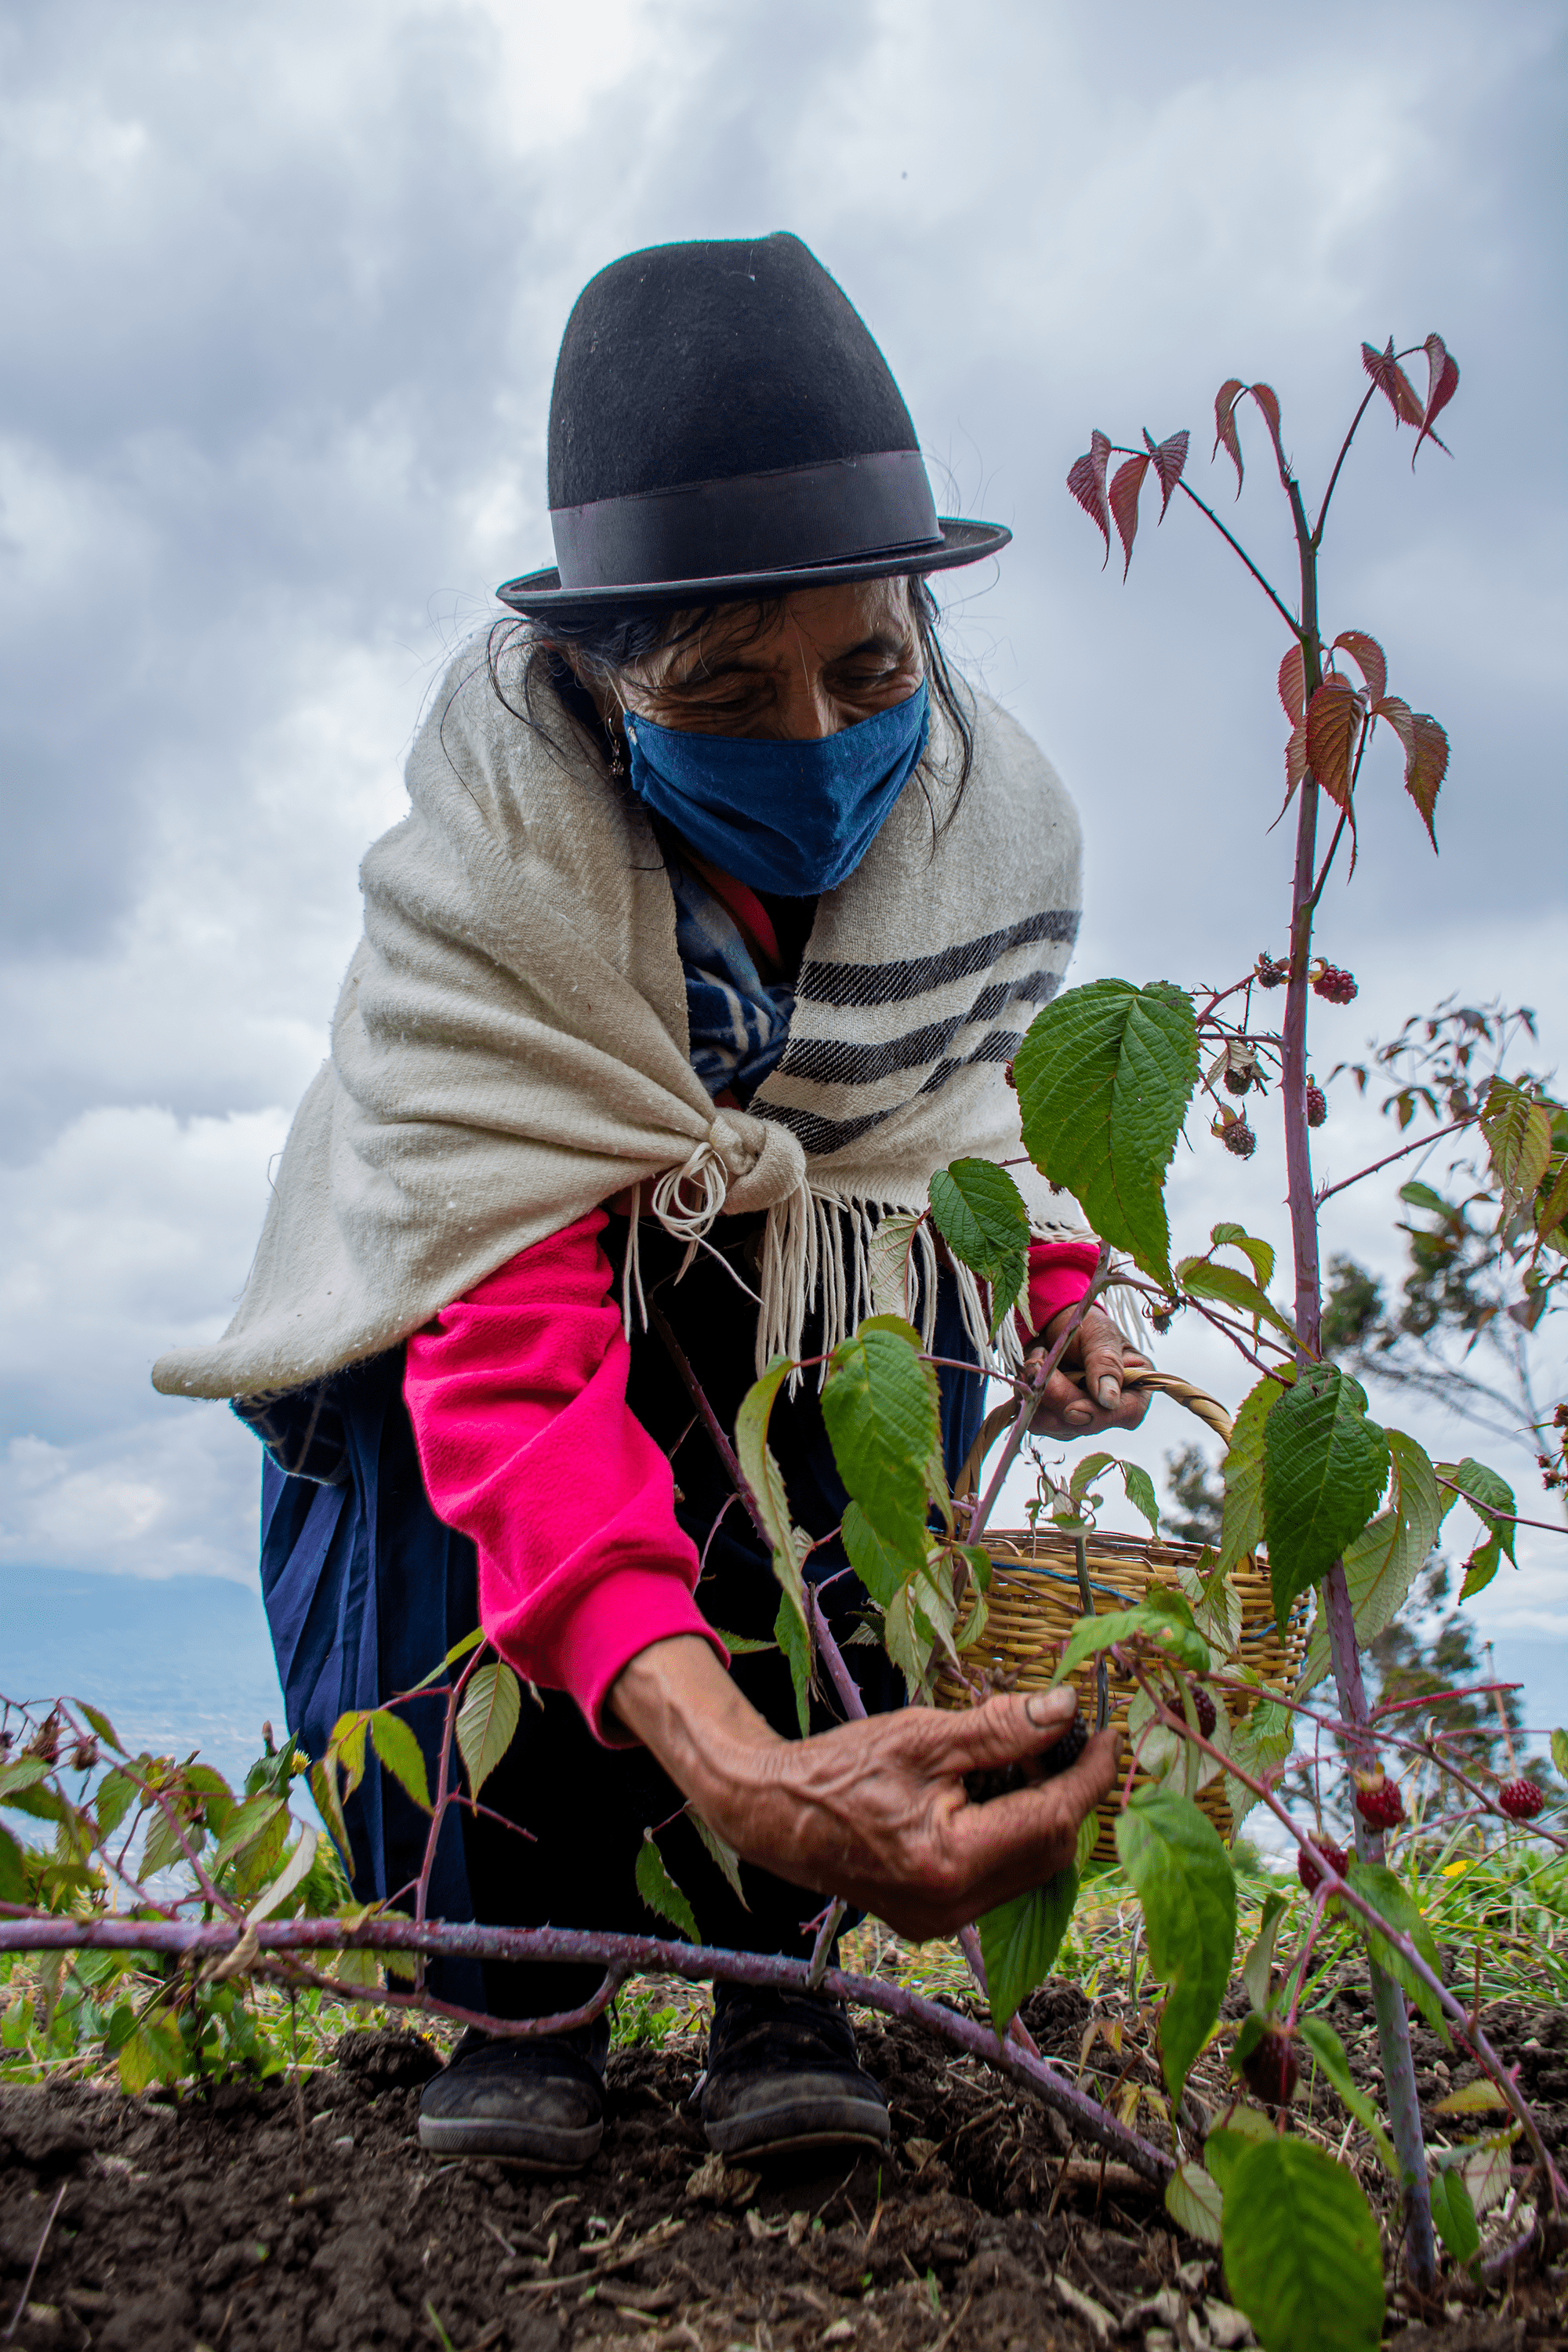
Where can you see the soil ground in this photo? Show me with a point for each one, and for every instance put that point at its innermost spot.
(285, 2219)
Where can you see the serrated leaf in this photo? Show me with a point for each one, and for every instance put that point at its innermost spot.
(347, 1741)
(1268, 400)
(1200, 1278)
(1324, 1466)
(13, 1878)
(154, 2054)
(1126, 483)
(116, 1793)
(1329, 2052)
(1194, 2203)
(659, 1891)
(1384, 1559)
(1259, 1255)
(1377, 1884)
(1454, 2216)
(102, 1726)
(1480, 2097)
(1425, 765)
(764, 1477)
(979, 1212)
(740, 1645)
(1225, 430)
(1518, 1129)
(1369, 659)
(294, 1873)
(1170, 458)
(24, 1773)
(1141, 1494)
(1257, 1968)
(1292, 684)
(162, 1848)
(883, 1570)
(248, 1822)
(1179, 1642)
(328, 1804)
(882, 1411)
(1019, 1942)
(1241, 1524)
(1560, 1753)
(1333, 721)
(400, 1753)
(1104, 1078)
(1442, 383)
(1489, 2172)
(1393, 382)
(724, 1855)
(488, 1720)
(1174, 1856)
(1491, 1498)
(1302, 2250)
(794, 1638)
(1086, 480)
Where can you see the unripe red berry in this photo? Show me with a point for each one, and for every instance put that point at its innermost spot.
(1378, 1800)
(1204, 1708)
(1307, 1869)
(1520, 1799)
(1334, 986)
(1316, 1103)
(1238, 1137)
(1270, 2067)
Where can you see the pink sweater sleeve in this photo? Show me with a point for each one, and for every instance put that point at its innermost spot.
(517, 1396)
(1059, 1274)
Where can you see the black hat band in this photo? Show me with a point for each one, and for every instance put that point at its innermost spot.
(796, 517)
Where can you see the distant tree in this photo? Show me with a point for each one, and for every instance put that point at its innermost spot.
(1197, 1492)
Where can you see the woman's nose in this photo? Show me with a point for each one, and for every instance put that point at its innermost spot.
(806, 710)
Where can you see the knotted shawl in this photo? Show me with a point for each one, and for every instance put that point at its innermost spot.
(510, 1046)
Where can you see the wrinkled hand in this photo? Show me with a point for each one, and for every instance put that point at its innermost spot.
(1103, 1355)
(874, 1811)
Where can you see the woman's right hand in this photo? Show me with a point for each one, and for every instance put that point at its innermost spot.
(874, 1811)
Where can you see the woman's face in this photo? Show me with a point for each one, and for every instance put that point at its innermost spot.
(830, 658)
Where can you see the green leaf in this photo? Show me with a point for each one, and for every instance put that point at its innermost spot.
(1176, 1635)
(1225, 2147)
(741, 1645)
(1384, 1559)
(401, 1754)
(1194, 2203)
(763, 1475)
(1329, 2051)
(1140, 1493)
(346, 1742)
(1518, 1129)
(883, 1570)
(1201, 1279)
(883, 1416)
(1301, 2250)
(1491, 1498)
(161, 1848)
(1174, 1856)
(154, 2054)
(1454, 2216)
(102, 1726)
(725, 1856)
(1241, 1528)
(1104, 1078)
(246, 1822)
(659, 1891)
(13, 1878)
(329, 1803)
(979, 1212)
(1257, 1969)
(1324, 1466)
(23, 1774)
(791, 1634)
(1560, 1753)
(1259, 1253)
(488, 1720)
(1019, 1940)
(1377, 1884)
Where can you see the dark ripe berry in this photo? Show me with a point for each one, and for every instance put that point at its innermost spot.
(1002, 1780)
(1270, 2067)
(1520, 1799)
(1011, 1081)
(84, 1755)
(1238, 1081)
(1204, 1708)
(1238, 1137)
(1378, 1800)
(1317, 1105)
(1307, 1869)
(1334, 986)
(1269, 973)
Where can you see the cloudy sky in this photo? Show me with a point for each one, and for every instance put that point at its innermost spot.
(280, 325)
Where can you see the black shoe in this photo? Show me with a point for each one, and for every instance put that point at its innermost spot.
(539, 2103)
(781, 2074)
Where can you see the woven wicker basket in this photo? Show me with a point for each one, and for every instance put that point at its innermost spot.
(1036, 1601)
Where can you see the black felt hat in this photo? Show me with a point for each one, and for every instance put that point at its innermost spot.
(723, 425)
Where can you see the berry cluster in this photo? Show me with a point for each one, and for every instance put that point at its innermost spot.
(1204, 1708)
(1378, 1800)
(1520, 1799)
(1269, 973)
(1238, 1137)
(1307, 1869)
(1316, 1103)
(1334, 986)
(1269, 2066)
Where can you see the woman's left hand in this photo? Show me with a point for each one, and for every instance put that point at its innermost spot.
(1103, 1355)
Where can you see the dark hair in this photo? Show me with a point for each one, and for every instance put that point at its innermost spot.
(603, 640)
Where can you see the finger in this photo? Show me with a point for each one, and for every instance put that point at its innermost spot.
(1062, 1404)
(1103, 1348)
(1012, 1843)
(1008, 1730)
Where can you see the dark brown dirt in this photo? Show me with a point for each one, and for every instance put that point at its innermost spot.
(263, 2220)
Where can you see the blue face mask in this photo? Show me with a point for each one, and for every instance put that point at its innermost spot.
(791, 817)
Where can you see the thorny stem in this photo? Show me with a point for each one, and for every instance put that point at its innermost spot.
(1317, 540)
(1421, 1144)
(697, 1963)
(1020, 1428)
(1296, 627)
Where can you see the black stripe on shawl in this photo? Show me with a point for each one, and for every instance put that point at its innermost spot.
(817, 1136)
(830, 1061)
(890, 983)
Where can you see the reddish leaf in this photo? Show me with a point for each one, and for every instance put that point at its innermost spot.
(1170, 457)
(1369, 659)
(1442, 385)
(1295, 762)
(1397, 714)
(1126, 483)
(1393, 382)
(1293, 686)
(1333, 716)
(1268, 400)
(1225, 430)
(1087, 483)
(1426, 766)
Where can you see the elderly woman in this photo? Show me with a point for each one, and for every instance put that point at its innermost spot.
(720, 910)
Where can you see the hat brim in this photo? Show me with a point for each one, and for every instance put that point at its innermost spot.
(962, 543)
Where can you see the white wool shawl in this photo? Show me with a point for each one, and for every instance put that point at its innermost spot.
(510, 1046)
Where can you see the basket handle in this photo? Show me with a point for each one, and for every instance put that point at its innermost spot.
(1184, 1393)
